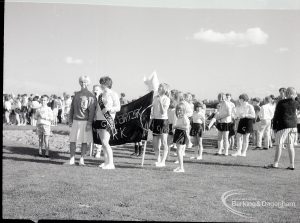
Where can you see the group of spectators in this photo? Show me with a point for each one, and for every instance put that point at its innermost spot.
(20, 109)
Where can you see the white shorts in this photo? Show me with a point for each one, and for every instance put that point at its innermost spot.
(79, 134)
(286, 136)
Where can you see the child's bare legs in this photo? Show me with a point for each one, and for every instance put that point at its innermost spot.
(18, 119)
(201, 149)
(170, 143)
(239, 138)
(245, 143)
(196, 147)
(180, 158)
(41, 142)
(164, 139)
(231, 142)
(46, 141)
(105, 136)
(291, 151)
(220, 142)
(83, 151)
(156, 145)
(72, 152)
(7, 117)
(98, 150)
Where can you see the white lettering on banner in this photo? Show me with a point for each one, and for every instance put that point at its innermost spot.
(122, 132)
(135, 114)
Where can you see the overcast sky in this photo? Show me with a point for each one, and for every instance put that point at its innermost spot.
(203, 51)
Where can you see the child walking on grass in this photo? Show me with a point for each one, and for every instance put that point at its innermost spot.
(44, 116)
(181, 125)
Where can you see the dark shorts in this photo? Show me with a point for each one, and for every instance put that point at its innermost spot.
(159, 126)
(180, 137)
(231, 129)
(245, 126)
(16, 111)
(196, 130)
(223, 127)
(97, 125)
(170, 129)
(298, 128)
(24, 109)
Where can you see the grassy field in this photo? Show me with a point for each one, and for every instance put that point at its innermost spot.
(39, 188)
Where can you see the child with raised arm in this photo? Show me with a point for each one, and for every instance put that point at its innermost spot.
(181, 125)
(44, 116)
(198, 128)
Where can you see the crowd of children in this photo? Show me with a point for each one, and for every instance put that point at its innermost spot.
(177, 120)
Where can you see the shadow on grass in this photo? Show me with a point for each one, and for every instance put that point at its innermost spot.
(30, 151)
(60, 132)
(42, 160)
(224, 164)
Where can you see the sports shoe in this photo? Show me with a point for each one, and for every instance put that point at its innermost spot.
(236, 154)
(257, 147)
(109, 167)
(190, 145)
(176, 169)
(161, 165)
(179, 170)
(176, 162)
(269, 166)
(102, 165)
(290, 168)
(243, 154)
(199, 157)
(71, 162)
(81, 162)
(265, 148)
(192, 157)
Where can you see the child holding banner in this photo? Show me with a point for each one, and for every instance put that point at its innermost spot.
(181, 125)
(159, 124)
(109, 104)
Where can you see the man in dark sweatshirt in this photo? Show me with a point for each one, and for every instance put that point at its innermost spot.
(285, 126)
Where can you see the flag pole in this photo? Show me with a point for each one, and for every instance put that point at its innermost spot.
(144, 151)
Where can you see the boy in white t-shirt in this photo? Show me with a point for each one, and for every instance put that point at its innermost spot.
(44, 116)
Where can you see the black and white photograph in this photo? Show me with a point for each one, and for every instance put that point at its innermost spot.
(146, 110)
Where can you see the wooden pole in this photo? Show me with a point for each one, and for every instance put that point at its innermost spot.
(144, 151)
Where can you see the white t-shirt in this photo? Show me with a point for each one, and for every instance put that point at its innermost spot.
(111, 102)
(245, 111)
(266, 112)
(7, 105)
(182, 123)
(199, 117)
(156, 111)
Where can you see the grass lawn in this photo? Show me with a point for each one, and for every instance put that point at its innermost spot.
(39, 188)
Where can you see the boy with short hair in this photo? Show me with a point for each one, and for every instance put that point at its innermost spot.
(44, 116)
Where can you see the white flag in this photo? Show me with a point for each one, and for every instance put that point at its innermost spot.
(152, 82)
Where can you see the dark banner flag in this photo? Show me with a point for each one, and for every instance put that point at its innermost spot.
(132, 121)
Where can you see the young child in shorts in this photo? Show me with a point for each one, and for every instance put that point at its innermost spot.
(44, 116)
(197, 129)
(181, 125)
